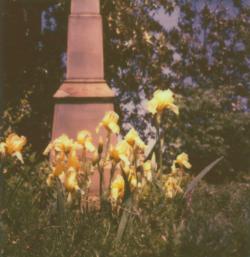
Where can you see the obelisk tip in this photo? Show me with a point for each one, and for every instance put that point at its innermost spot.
(85, 6)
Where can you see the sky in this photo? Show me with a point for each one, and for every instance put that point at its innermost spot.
(168, 21)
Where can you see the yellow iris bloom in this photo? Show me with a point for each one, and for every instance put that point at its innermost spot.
(73, 160)
(13, 146)
(61, 144)
(14, 143)
(183, 160)
(84, 138)
(130, 173)
(132, 178)
(57, 171)
(147, 169)
(69, 180)
(110, 123)
(133, 139)
(172, 187)
(117, 188)
(121, 152)
(162, 99)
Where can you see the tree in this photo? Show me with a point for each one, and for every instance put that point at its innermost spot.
(33, 69)
(212, 73)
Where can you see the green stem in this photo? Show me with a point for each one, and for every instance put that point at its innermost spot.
(112, 172)
(101, 168)
(13, 192)
(107, 146)
(87, 201)
(135, 164)
(101, 184)
(2, 188)
(60, 202)
(161, 155)
(161, 141)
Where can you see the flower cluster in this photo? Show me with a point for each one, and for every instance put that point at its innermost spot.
(131, 173)
(73, 161)
(68, 161)
(129, 155)
(175, 179)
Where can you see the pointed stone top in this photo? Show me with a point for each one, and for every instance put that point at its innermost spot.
(85, 7)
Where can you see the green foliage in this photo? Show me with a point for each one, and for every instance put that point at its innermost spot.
(211, 71)
(210, 127)
(33, 67)
(218, 222)
(213, 221)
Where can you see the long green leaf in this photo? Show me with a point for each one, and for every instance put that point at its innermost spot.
(191, 186)
(124, 220)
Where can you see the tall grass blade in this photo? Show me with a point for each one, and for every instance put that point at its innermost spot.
(191, 186)
(124, 220)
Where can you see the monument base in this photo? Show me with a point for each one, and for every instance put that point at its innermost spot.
(81, 105)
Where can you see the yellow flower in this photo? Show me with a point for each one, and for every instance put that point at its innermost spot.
(130, 173)
(13, 146)
(133, 182)
(69, 180)
(172, 187)
(59, 157)
(182, 160)
(84, 138)
(134, 139)
(162, 99)
(61, 144)
(73, 160)
(147, 168)
(132, 178)
(57, 170)
(110, 122)
(117, 188)
(121, 152)
(14, 143)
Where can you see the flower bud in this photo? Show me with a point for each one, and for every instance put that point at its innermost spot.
(96, 158)
(100, 145)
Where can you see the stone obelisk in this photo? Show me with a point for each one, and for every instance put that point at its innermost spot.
(84, 97)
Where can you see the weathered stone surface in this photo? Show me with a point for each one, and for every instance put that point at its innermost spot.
(70, 117)
(85, 6)
(85, 47)
(84, 89)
